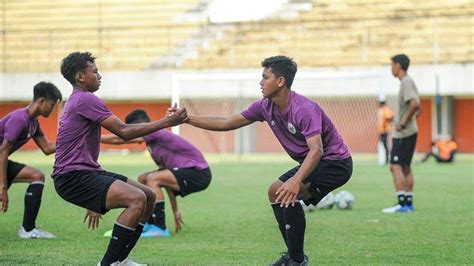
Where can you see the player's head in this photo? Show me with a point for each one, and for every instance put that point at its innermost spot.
(382, 100)
(278, 72)
(46, 95)
(400, 62)
(80, 70)
(137, 116)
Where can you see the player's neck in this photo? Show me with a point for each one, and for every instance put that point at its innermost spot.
(33, 110)
(401, 75)
(80, 87)
(282, 99)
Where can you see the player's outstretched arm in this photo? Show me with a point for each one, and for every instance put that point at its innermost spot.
(4, 152)
(45, 146)
(132, 131)
(219, 123)
(116, 140)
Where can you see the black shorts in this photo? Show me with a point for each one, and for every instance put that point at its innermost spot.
(191, 180)
(13, 169)
(402, 150)
(327, 176)
(86, 189)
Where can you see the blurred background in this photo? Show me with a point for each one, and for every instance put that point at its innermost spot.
(206, 56)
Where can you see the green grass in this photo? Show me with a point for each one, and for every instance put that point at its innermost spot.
(231, 223)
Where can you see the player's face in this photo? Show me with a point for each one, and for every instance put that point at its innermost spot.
(91, 77)
(395, 69)
(46, 107)
(270, 84)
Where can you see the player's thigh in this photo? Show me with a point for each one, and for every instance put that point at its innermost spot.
(29, 174)
(123, 195)
(163, 178)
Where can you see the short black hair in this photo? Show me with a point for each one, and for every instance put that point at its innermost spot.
(137, 116)
(282, 66)
(46, 90)
(74, 63)
(402, 60)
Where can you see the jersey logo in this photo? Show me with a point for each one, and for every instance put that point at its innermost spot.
(291, 128)
(273, 123)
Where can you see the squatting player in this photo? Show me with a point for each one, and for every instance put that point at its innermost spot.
(80, 180)
(308, 136)
(182, 171)
(16, 129)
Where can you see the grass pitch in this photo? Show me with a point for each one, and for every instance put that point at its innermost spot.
(231, 223)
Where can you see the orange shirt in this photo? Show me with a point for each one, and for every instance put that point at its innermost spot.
(446, 148)
(384, 118)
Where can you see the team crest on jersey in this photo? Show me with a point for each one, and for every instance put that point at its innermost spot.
(291, 128)
(273, 123)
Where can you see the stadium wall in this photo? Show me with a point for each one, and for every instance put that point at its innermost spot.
(350, 103)
(360, 137)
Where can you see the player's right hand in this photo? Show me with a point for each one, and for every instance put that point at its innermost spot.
(94, 219)
(4, 199)
(178, 221)
(177, 115)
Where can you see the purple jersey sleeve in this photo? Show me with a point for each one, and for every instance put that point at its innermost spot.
(14, 128)
(309, 120)
(254, 112)
(92, 108)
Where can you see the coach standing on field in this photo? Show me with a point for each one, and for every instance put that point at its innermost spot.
(404, 136)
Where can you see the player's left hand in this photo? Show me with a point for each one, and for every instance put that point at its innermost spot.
(178, 221)
(288, 192)
(398, 126)
(94, 219)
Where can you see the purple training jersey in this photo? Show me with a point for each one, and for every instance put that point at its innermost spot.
(17, 127)
(78, 142)
(301, 119)
(170, 151)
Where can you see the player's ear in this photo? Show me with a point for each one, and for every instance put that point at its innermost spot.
(281, 81)
(79, 76)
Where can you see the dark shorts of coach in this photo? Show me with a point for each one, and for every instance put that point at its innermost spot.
(86, 189)
(328, 175)
(13, 169)
(402, 150)
(191, 180)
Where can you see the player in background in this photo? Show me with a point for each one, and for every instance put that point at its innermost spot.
(182, 170)
(16, 129)
(384, 127)
(443, 150)
(308, 136)
(404, 136)
(78, 177)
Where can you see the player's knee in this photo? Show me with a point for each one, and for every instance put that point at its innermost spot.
(150, 195)
(395, 168)
(138, 202)
(272, 196)
(37, 176)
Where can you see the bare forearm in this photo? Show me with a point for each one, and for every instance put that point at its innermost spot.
(3, 170)
(210, 123)
(111, 139)
(309, 164)
(409, 114)
(50, 149)
(173, 202)
(132, 131)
